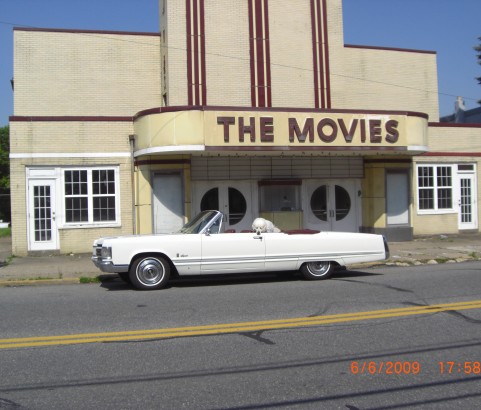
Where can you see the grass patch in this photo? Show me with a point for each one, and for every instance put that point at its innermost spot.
(84, 279)
(5, 232)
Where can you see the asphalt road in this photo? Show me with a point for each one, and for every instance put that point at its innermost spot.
(385, 338)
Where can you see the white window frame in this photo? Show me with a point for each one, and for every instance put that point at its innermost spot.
(90, 223)
(435, 188)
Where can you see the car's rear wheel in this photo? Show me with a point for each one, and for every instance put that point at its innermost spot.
(317, 270)
(149, 272)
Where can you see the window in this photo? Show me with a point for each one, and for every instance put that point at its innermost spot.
(279, 195)
(91, 196)
(435, 187)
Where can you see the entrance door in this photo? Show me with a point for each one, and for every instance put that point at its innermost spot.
(467, 202)
(168, 205)
(42, 228)
(397, 196)
(233, 198)
(331, 206)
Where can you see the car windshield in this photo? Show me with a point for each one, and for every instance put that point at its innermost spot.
(197, 224)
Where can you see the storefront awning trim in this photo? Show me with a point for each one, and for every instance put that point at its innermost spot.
(175, 149)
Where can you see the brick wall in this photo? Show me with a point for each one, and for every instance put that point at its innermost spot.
(68, 144)
(85, 73)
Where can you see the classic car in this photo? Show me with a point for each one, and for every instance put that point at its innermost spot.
(203, 247)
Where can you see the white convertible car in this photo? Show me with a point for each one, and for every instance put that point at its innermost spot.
(202, 247)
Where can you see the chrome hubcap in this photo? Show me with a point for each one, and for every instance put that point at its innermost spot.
(150, 272)
(319, 268)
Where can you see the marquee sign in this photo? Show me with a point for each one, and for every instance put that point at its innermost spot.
(310, 130)
(212, 129)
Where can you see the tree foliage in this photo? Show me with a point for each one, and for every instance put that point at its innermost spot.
(4, 160)
(4, 174)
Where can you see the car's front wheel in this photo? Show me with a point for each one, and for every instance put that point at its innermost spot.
(317, 270)
(149, 272)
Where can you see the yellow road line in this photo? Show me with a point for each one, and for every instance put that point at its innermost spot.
(232, 327)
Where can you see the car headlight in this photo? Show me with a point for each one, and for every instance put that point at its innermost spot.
(106, 252)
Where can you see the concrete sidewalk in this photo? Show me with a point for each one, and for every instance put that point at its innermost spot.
(70, 268)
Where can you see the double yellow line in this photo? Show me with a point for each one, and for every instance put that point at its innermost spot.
(137, 335)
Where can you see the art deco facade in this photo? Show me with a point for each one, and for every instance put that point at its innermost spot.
(253, 107)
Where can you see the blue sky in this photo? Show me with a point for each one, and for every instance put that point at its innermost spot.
(451, 28)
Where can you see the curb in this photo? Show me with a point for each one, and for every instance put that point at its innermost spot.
(101, 278)
(37, 282)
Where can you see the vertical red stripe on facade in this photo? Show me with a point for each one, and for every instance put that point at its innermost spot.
(260, 53)
(326, 55)
(188, 23)
(251, 53)
(202, 53)
(320, 52)
(315, 58)
(268, 87)
(196, 63)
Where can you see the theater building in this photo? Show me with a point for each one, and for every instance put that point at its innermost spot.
(253, 107)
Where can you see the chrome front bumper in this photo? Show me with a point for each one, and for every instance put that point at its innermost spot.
(107, 265)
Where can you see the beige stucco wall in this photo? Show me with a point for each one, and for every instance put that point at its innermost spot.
(85, 73)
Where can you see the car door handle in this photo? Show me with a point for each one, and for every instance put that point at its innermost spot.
(259, 237)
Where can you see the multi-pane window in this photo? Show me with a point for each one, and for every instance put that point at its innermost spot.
(103, 195)
(90, 195)
(76, 196)
(435, 187)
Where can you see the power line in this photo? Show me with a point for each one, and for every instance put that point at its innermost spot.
(98, 34)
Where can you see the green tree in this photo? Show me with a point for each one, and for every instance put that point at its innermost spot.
(478, 49)
(4, 174)
(4, 161)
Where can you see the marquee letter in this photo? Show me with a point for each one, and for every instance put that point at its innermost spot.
(248, 129)
(307, 130)
(226, 121)
(375, 130)
(320, 130)
(348, 135)
(393, 132)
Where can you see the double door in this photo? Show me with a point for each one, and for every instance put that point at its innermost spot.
(331, 205)
(233, 198)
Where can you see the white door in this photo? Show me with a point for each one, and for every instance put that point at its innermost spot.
(397, 196)
(233, 198)
(224, 252)
(331, 205)
(467, 202)
(42, 227)
(168, 206)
